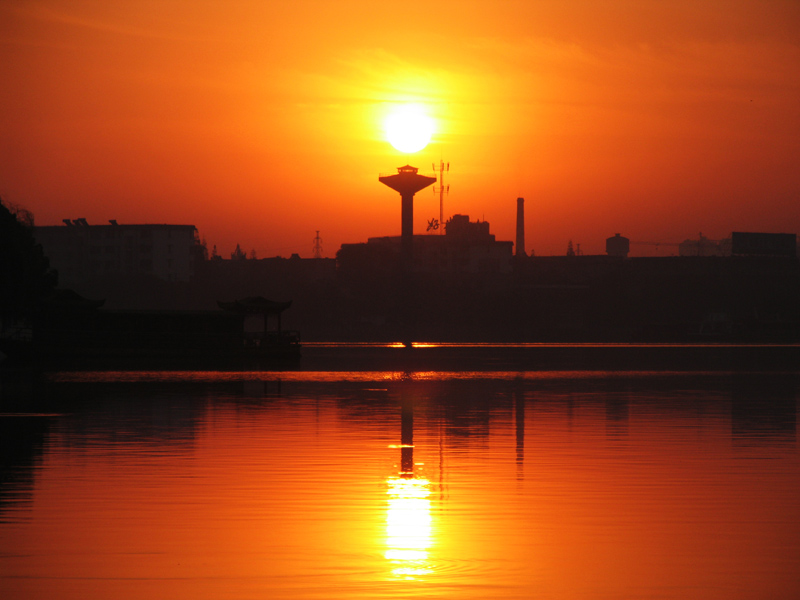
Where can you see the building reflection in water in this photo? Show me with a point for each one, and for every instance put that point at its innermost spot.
(408, 517)
(519, 422)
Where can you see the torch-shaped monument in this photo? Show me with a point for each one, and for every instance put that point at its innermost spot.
(408, 183)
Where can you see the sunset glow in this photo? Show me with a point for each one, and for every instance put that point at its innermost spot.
(408, 128)
(262, 126)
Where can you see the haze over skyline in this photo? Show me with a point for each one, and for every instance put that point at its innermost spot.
(262, 122)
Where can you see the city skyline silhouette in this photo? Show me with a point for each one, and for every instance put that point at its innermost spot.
(657, 121)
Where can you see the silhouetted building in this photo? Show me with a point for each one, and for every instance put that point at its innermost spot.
(293, 270)
(74, 330)
(78, 250)
(705, 247)
(466, 248)
(764, 244)
(618, 246)
(460, 228)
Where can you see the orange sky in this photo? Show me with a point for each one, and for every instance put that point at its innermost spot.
(260, 122)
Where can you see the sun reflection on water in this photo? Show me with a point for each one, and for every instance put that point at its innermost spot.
(408, 526)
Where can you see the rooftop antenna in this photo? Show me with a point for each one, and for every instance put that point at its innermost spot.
(317, 253)
(441, 189)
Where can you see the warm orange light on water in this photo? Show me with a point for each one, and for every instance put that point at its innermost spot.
(408, 526)
(576, 486)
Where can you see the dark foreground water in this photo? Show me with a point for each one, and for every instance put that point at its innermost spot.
(391, 484)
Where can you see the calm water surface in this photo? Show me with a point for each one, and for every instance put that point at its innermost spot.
(383, 484)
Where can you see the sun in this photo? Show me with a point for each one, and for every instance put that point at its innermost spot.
(408, 128)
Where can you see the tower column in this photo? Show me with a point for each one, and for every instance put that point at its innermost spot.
(407, 229)
(407, 182)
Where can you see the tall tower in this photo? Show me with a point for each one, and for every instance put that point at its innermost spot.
(520, 248)
(317, 252)
(408, 183)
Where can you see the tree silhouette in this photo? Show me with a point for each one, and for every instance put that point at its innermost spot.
(25, 273)
(238, 254)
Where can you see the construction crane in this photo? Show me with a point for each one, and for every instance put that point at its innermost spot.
(701, 245)
(656, 244)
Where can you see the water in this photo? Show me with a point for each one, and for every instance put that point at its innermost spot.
(385, 484)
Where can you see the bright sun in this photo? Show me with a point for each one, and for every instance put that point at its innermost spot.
(408, 128)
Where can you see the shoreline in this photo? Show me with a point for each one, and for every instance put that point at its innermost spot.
(330, 356)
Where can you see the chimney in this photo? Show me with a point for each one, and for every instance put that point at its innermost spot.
(520, 247)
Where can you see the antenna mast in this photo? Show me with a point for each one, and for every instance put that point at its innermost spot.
(441, 189)
(317, 252)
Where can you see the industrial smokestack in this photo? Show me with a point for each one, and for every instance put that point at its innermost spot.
(520, 249)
